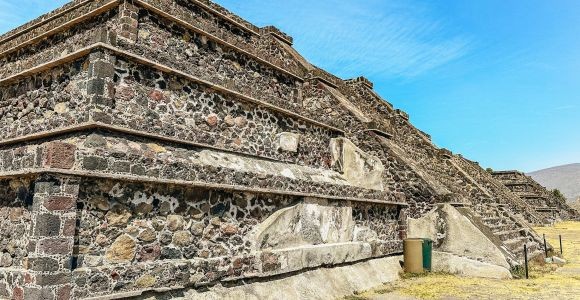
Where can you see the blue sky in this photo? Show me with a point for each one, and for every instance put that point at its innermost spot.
(498, 81)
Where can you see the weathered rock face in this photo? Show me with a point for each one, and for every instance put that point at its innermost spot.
(359, 168)
(305, 224)
(157, 145)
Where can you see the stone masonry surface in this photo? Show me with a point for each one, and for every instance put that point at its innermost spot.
(169, 145)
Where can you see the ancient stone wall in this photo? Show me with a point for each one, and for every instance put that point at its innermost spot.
(169, 145)
(136, 236)
(155, 236)
(15, 221)
(398, 177)
(145, 159)
(49, 218)
(416, 148)
(53, 23)
(242, 35)
(48, 100)
(193, 53)
(172, 106)
(57, 46)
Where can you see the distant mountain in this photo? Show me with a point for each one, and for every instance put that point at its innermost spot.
(565, 178)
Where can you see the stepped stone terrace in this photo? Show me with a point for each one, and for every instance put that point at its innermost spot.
(154, 146)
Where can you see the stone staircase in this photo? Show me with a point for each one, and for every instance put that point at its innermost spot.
(511, 232)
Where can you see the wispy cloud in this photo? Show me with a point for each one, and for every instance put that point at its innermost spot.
(392, 39)
(564, 107)
(396, 41)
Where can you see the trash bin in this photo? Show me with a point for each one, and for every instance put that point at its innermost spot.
(427, 254)
(413, 255)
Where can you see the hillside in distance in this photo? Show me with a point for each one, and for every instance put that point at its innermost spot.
(566, 178)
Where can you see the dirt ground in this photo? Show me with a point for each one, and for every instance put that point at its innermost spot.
(547, 281)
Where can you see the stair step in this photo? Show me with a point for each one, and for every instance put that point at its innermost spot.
(532, 247)
(503, 227)
(488, 215)
(515, 244)
(491, 219)
(510, 234)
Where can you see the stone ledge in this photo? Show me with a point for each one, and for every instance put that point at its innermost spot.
(363, 80)
(117, 129)
(380, 132)
(518, 183)
(402, 114)
(323, 76)
(446, 154)
(294, 170)
(322, 283)
(514, 172)
(277, 33)
(312, 256)
(345, 278)
(226, 187)
(99, 125)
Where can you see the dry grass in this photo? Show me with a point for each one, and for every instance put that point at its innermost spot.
(547, 281)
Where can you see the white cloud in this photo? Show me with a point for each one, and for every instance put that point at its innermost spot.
(396, 40)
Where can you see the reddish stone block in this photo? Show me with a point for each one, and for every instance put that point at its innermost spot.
(18, 293)
(157, 95)
(53, 246)
(64, 293)
(59, 155)
(60, 203)
(237, 263)
(149, 253)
